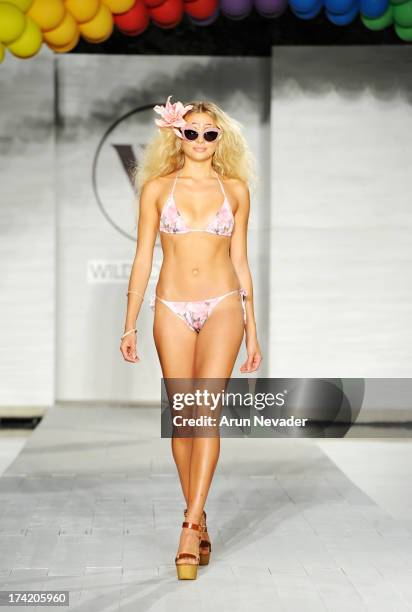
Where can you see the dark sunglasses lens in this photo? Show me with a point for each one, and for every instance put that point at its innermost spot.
(190, 134)
(210, 136)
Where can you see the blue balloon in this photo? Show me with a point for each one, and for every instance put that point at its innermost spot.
(373, 8)
(340, 7)
(305, 9)
(343, 20)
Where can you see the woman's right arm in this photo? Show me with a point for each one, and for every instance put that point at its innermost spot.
(147, 228)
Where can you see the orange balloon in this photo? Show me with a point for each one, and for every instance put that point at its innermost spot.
(64, 33)
(96, 41)
(66, 48)
(119, 6)
(83, 10)
(100, 28)
(47, 13)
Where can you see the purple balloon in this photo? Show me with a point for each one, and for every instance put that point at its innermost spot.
(236, 9)
(207, 21)
(271, 8)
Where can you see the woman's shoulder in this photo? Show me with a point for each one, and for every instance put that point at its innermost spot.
(158, 183)
(236, 185)
(166, 177)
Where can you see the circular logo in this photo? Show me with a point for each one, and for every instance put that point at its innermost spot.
(116, 158)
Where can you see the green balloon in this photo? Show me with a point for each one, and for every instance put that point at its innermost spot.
(379, 23)
(402, 14)
(403, 33)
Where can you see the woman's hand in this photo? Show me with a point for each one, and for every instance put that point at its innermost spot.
(254, 356)
(128, 348)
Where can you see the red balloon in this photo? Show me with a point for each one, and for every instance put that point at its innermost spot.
(201, 9)
(168, 26)
(153, 3)
(167, 15)
(134, 21)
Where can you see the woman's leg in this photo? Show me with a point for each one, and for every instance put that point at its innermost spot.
(175, 344)
(217, 348)
(209, 354)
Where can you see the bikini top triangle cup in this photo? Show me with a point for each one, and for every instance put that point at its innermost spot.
(172, 222)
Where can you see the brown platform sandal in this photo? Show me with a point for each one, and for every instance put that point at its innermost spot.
(204, 556)
(188, 571)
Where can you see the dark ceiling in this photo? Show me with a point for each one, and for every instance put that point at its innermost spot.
(252, 36)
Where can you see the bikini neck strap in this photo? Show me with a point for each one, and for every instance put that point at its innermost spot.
(175, 181)
(221, 184)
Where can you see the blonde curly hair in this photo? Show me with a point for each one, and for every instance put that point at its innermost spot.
(164, 154)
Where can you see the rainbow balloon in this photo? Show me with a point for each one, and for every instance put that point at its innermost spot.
(26, 24)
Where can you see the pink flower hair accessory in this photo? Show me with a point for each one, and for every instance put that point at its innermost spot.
(172, 115)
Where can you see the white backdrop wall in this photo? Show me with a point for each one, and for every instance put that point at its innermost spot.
(27, 235)
(97, 212)
(329, 243)
(341, 226)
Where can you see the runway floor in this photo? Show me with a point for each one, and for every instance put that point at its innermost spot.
(92, 504)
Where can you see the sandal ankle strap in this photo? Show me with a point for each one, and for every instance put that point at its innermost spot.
(190, 525)
(203, 528)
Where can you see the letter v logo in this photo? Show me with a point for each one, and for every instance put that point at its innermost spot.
(115, 160)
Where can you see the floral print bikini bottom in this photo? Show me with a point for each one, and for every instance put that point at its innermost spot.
(196, 313)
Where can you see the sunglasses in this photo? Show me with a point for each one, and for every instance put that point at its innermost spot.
(191, 133)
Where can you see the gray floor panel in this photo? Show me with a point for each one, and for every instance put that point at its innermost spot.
(92, 504)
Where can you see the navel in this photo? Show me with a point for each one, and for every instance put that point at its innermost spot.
(195, 271)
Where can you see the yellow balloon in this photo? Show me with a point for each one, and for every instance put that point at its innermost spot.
(119, 6)
(65, 48)
(23, 5)
(48, 14)
(100, 28)
(2, 53)
(83, 10)
(29, 42)
(64, 33)
(12, 23)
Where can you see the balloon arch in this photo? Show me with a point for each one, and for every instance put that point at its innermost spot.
(26, 24)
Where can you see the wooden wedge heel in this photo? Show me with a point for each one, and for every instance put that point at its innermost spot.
(204, 557)
(188, 571)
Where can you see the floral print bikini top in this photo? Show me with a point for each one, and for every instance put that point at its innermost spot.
(172, 222)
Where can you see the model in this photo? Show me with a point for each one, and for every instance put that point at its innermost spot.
(193, 186)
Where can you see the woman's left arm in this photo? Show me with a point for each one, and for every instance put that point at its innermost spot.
(238, 255)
